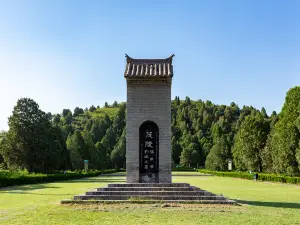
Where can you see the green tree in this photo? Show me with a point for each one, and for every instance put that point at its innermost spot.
(264, 113)
(65, 112)
(285, 136)
(102, 155)
(92, 108)
(250, 142)
(98, 130)
(2, 148)
(176, 150)
(266, 157)
(117, 155)
(56, 120)
(59, 147)
(115, 104)
(91, 149)
(119, 120)
(29, 142)
(78, 111)
(79, 151)
(190, 155)
(219, 154)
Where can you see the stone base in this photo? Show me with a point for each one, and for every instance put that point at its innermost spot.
(149, 192)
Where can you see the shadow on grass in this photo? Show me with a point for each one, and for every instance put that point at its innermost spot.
(30, 193)
(289, 205)
(114, 175)
(191, 175)
(97, 180)
(27, 187)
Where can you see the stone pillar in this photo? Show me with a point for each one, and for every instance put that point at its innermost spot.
(148, 99)
(148, 102)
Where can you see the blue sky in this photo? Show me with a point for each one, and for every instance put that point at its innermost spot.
(65, 54)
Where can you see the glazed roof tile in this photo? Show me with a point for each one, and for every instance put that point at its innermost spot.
(148, 68)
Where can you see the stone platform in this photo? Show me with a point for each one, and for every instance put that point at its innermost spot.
(150, 192)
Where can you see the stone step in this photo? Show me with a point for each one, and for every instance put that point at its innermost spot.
(152, 193)
(149, 185)
(149, 197)
(191, 188)
(148, 193)
(149, 201)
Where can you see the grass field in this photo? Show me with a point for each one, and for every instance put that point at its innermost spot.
(262, 203)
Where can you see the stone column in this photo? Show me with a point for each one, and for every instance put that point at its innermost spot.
(148, 102)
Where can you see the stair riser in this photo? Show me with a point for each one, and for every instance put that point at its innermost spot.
(151, 193)
(150, 185)
(155, 192)
(121, 197)
(227, 202)
(149, 189)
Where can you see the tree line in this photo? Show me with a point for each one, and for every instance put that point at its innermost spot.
(203, 135)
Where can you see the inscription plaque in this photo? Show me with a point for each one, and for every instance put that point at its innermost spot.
(149, 146)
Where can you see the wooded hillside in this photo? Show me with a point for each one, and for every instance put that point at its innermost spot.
(203, 135)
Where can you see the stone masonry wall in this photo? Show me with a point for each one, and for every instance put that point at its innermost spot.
(148, 102)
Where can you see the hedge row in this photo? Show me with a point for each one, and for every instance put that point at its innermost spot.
(19, 178)
(186, 169)
(183, 169)
(261, 176)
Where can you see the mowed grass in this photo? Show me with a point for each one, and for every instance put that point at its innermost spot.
(262, 203)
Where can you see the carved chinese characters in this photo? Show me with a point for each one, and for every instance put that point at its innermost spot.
(149, 149)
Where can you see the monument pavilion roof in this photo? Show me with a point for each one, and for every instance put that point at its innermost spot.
(149, 68)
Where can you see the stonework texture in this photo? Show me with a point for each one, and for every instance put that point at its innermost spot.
(148, 101)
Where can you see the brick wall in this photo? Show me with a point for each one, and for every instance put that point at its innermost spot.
(148, 102)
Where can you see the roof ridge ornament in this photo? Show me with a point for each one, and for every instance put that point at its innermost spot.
(128, 59)
(153, 61)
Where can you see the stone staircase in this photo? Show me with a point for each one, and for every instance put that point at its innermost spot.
(150, 192)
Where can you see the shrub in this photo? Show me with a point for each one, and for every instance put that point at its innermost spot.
(261, 176)
(8, 178)
(183, 169)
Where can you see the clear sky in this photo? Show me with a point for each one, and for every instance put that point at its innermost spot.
(67, 53)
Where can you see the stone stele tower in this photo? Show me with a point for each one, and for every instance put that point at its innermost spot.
(148, 142)
(148, 122)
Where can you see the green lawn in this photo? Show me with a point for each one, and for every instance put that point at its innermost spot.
(263, 203)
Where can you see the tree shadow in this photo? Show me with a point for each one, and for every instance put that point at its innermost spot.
(27, 187)
(98, 180)
(30, 193)
(119, 174)
(290, 205)
(191, 175)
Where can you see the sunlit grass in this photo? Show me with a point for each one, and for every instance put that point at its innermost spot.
(263, 203)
